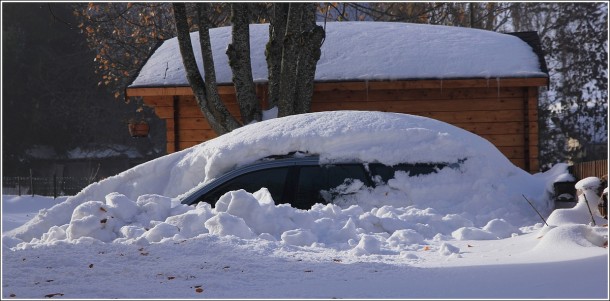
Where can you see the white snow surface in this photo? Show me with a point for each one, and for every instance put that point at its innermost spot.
(366, 51)
(468, 231)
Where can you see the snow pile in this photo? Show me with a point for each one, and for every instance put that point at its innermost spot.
(577, 227)
(366, 51)
(482, 199)
(585, 211)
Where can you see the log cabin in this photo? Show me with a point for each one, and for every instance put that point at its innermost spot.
(485, 82)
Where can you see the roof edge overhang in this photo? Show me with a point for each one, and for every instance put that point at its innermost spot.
(362, 85)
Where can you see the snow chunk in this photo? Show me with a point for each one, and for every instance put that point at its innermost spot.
(500, 228)
(405, 238)
(367, 245)
(121, 206)
(299, 237)
(472, 233)
(227, 224)
(161, 231)
(447, 249)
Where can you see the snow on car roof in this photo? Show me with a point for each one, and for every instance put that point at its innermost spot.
(367, 51)
(388, 138)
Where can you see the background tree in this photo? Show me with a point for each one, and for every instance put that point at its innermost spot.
(122, 36)
(483, 15)
(50, 92)
(574, 110)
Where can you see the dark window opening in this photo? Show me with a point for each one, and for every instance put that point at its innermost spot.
(272, 179)
(318, 184)
(385, 173)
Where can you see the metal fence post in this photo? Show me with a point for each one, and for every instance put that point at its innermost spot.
(31, 182)
(54, 186)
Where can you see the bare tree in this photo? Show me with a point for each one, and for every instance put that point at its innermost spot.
(294, 50)
(238, 52)
(300, 54)
(206, 92)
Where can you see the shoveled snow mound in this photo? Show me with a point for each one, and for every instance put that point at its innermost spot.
(141, 206)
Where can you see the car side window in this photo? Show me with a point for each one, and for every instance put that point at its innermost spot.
(273, 179)
(316, 183)
(416, 169)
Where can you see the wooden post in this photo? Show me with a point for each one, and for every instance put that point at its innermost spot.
(176, 117)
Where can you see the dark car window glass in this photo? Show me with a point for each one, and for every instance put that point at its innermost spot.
(379, 170)
(315, 182)
(311, 180)
(387, 172)
(272, 179)
(337, 174)
(419, 169)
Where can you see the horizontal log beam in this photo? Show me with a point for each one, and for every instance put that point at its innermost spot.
(366, 85)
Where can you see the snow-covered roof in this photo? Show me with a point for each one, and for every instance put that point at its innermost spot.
(358, 51)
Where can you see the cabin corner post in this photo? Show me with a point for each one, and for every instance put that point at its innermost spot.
(262, 92)
(532, 130)
(176, 119)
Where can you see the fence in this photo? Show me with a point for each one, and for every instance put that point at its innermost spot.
(598, 168)
(47, 186)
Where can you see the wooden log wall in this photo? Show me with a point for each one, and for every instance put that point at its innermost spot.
(504, 112)
(506, 116)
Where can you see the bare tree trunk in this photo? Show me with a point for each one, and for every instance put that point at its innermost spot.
(300, 55)
(473, 15)
(290, 58)
(238, 52)
(491, 15)
(273, 50)
(310, 44)
(206, 93)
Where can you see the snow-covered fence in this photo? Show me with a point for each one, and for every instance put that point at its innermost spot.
(47, 186)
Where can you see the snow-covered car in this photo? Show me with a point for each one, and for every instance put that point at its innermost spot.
(480, 173)
(465, 187)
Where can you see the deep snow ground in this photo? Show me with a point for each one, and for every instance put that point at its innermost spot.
(559, 264)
